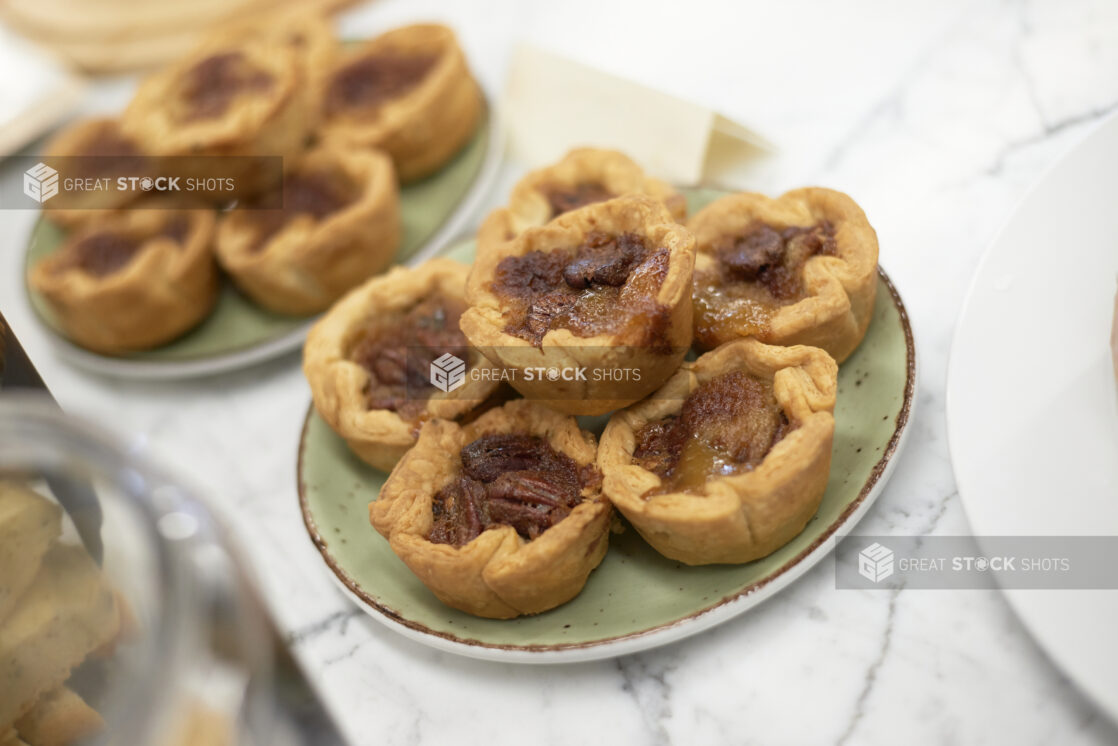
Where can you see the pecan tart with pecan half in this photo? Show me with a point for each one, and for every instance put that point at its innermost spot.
(582, 177)
(799, 269)
(230, 97)
(132, 280)
(369, 360)
(605, 289)
(500, 517)
(334, 223)
(407, 92)
(730, 459)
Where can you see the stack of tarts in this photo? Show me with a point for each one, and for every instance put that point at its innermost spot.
(350, 123)
(718, 455)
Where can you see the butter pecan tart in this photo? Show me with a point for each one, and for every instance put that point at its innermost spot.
(133, 279)
(799, 269)
(308, 33)
(368, 360)
(582, 177)
(605, 290)
(730, 459)
(407, 92)
(500, 517)
(334, 223)
(229, 97)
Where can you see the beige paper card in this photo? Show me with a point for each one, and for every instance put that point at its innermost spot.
(554, 104)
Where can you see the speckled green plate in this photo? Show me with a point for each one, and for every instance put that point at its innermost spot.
(240, 333)
(636, 599)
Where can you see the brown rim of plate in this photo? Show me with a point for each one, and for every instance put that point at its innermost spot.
(875, 475)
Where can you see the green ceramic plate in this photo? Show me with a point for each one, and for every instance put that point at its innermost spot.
(636, 599)
(240, 333)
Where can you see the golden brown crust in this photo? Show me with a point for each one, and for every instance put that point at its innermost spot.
(427, 125)
(839, 290)
(484, 322)
(269, 119)
(309, 263)
(166, 288)
(498, 574)
(99, 136)
(749, 515)
(529, 205)
(381, 437)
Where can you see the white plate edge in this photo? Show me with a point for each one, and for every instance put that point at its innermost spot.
(1013, 599)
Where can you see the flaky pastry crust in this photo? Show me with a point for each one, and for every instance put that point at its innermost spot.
(742, 517)
(309, 263)
(380, 437)
(839, 290)
(165, 289)
(499, 574)
(484, 322)
(529, 205)
(424, 126)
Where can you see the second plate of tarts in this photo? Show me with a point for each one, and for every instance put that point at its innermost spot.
(260, 90)
(603, 287)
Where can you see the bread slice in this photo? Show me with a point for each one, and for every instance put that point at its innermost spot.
(59, 718)
(67, 612)
(11, 738)
(29, 524)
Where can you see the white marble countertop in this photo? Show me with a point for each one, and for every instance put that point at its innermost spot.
(937, 116)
